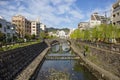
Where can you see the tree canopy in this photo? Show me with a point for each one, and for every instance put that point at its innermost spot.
(102, 32)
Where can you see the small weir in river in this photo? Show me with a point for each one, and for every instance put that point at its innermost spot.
(61, 63)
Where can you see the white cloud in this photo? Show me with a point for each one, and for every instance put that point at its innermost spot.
(3, 3)
(76, 14)
(51, 12)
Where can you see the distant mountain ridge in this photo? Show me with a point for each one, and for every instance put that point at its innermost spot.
(54, 30)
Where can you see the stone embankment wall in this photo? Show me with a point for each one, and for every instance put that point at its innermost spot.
(13, 62)
(30, 73)
(107, 57)
(104, 63)
(106, 46)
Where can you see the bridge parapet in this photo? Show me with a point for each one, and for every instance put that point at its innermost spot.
(57, 40)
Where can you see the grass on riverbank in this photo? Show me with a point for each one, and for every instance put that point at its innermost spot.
(17, 45)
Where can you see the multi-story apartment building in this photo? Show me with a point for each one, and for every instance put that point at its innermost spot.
(35, 28)
(83, 25)
(96, 19)
(116, 13)
(23, 26)
(7, 28)
(43, 27)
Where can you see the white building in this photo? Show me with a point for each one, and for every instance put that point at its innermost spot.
(96, 19)
(7, 28)
(43, 27)
(116, 13)
(53, 34)
(61, 34)
(83, 25)
(35, 28)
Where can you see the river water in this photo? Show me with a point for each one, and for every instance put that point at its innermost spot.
(61, 69)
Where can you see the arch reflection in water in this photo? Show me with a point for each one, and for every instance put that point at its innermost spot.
(63, 69)
(62, 47)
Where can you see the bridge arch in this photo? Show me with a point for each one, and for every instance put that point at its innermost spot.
(54, 42)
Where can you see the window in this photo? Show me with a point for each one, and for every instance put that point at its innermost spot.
(8, 27)
(33, 26)
(0, 25)
(8, 34)
(118, 22)
(33, 29)
(114, 23)
(114, 15)
(4, 29)
(118, 13)
(33, 23)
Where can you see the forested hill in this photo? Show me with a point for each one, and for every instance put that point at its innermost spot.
(54, 30)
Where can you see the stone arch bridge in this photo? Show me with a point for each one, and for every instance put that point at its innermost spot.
(56, 41)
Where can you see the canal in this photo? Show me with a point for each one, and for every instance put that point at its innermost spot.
(63, 68)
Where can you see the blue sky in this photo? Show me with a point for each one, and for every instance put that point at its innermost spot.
(55, 13)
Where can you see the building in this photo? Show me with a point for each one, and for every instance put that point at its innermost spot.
(43, 27)
(35, 28)
(83, 25)
(52, 34)
(7, 28)
(96, 19)
(116, 13)
(23, 26)
(61, 34)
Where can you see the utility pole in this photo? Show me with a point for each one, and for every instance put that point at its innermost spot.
(105, 17)
(105, 14)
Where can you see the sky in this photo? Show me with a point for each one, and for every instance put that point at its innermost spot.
(55, 13)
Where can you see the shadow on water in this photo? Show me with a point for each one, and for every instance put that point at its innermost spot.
(63, 69)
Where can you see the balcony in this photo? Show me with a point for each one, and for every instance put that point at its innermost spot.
(116, 9)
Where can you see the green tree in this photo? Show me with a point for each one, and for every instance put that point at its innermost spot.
(33, 36)
(103, 32)
(0, 25)
(75, 34)
(15, 38)
(28, 36)
(94, 34)
(2, 37)
(86, 35)
(42, 35)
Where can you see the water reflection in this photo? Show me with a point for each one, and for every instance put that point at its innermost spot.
(72, 68)
(61, 47)
(63, 69)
